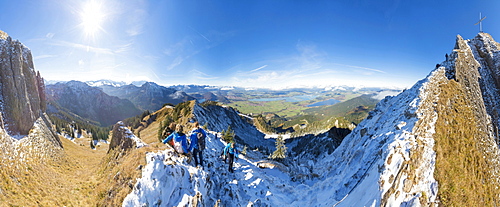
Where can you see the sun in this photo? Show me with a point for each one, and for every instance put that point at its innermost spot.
(92, 17)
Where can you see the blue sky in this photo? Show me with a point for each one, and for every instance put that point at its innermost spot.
(261, 43)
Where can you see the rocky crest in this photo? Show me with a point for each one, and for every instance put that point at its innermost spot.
(21, 87)
(123, 138)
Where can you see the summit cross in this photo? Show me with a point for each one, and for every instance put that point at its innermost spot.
(480, 22)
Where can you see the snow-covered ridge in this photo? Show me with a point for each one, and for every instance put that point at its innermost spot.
(129, 135)
(368, 164)
(388, 160)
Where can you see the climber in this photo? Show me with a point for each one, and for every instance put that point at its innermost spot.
(167, 131)
(179, 139)
(197, 146)
(230, 152)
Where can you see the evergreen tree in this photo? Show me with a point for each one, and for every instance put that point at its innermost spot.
(228, 135)
(280, 152)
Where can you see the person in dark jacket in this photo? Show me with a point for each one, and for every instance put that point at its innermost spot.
(180, 141)
(230, 152)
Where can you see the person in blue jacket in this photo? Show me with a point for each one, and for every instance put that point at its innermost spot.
(230, 152)
(179, 138)
(197, 146)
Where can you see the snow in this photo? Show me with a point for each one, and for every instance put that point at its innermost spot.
(275, 136)
(129, 135)
(357, 173)
(370, 167)
(382, 94)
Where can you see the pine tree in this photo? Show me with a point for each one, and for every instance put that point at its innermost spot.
(280, 152)
(162, 127)
(228, 135)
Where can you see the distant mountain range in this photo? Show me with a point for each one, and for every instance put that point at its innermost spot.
(149, 96)
(89, 102)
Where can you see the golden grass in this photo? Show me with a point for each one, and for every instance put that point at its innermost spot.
(119, 169)
(81, 176)
(68, 180)
(463, 170)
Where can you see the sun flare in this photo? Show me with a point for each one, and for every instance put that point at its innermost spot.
(92, 17)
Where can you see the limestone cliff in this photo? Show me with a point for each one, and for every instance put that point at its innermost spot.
(22, 97)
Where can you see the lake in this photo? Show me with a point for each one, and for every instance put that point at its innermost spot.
(326, 102)
(288, 99)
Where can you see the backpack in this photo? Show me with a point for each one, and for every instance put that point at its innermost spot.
(201, 141)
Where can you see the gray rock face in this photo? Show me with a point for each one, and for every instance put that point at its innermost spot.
(22, 98)
(121, 138)
(475, 63)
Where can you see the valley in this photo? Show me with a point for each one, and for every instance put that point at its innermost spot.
(433, 144)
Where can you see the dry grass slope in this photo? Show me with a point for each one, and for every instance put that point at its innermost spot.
(463, 170)
(66, 180)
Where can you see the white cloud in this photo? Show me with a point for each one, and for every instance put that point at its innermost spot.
(364, 68)
(136, 20)
(191, 45)
(49, 35)
(81, 63)
(203, 76)
(86, 48)
(259, 68)
(44, 56)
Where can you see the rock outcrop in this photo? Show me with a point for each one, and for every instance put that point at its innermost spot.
(123, 138)
(21, 87)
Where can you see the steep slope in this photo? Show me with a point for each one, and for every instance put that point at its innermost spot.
(150, 96)
(433, 144)
(89, 102)
(22, 97)
(218, 118)
(467, 126)
(34, 168)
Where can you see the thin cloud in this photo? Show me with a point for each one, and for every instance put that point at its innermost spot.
(204, 37)
(49, 35)
(203, 76)
(124, 48)
(137, 19)
(86, 48)
(257, 69)
(44, 56)
(176, 62)
(190, 46)
(364, 68)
